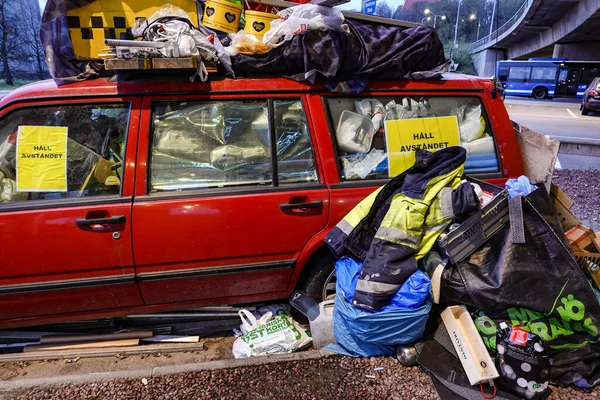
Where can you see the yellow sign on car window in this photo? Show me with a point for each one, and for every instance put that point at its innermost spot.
(42, 159)
(404, 137)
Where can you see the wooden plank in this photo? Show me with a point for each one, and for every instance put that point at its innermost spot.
(347, 14)
(134, 334)
(175, 63)
(172, 339)
(82, 345)
(105, 352)
(113, 64)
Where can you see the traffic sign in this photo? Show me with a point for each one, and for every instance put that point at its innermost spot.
(369, 6)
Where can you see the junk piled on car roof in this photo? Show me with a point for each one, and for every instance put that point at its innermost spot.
(305, 42)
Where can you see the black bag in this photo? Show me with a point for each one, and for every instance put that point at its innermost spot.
(536, 285)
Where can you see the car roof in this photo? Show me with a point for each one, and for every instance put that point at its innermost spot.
(103, 87)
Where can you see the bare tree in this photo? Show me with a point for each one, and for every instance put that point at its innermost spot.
(7, 29)
(383, 9)
(29, 36)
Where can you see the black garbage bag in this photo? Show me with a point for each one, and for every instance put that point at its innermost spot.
(536, 285)
(345, 61)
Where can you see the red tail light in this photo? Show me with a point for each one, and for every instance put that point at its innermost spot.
(593, 92)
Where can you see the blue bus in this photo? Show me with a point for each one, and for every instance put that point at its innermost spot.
(542, 78)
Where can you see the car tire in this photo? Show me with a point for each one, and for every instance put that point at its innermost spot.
(585, 111)
(317, 279)
(540, 93)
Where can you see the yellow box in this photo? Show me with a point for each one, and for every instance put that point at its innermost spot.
(257, 22)
(222, 15)
(107, 19)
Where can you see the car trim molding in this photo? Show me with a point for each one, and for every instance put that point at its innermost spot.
(64, 203)
(211, 271)
(80, 283)
(226, 191)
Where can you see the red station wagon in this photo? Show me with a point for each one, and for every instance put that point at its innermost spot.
(184, 195)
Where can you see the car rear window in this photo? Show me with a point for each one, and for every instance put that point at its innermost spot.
(211, 144)
(61, 151)
(376, 136)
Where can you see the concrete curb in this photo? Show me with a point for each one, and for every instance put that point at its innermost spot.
(579, 147)
(17, 384)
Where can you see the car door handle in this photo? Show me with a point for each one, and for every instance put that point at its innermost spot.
(296, 206)
(119, 219)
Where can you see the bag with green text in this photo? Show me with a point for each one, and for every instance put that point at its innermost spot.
(280, 335)
(534, 283)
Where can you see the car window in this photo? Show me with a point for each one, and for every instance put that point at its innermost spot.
(210, 144)
(295, 156)
(62, 152)
(376, 136)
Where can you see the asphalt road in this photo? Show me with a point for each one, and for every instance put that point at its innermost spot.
(559, 119)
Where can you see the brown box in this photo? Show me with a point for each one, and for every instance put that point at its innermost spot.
(562, 204)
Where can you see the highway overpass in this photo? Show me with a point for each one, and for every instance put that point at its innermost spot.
(543, 28)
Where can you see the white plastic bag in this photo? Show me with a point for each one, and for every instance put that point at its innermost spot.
(363, 166)
(280, 335)
(299, 19)
(472, 125)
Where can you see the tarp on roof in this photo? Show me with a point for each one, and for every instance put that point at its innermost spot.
(345, 61)
(57, 45)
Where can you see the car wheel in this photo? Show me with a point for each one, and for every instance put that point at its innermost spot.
(320, 282)
(584, 111)
(540, 93)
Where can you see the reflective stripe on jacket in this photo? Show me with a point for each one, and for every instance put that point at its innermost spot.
(398, 224)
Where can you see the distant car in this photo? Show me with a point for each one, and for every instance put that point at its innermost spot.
(591, 97)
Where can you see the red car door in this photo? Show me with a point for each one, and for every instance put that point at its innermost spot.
(66, 234)
(231, 196)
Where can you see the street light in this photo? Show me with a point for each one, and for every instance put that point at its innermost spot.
(425, 19)
(427, 11)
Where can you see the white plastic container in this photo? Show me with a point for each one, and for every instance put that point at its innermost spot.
(321, 328)
(354, 132)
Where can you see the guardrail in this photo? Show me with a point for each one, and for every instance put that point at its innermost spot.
(507, 26)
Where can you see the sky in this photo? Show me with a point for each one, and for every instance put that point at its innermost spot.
(356, 4)
(352, 5)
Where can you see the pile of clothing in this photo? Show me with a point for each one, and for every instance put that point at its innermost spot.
(522, 286)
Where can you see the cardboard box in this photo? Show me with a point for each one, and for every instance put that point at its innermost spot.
(562, 204)
(468, 344)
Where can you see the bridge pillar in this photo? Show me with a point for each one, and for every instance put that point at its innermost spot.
(485, 61)
(580, 51)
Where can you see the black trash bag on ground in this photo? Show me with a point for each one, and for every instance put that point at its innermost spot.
(344, 62)
(536, 285)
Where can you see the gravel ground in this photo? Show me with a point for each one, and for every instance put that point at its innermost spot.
(584, 188)
(327, 378)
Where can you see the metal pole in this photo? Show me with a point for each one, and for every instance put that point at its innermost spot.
(456, 26)
(478, 25)
(455, 31)
(492, 20)
(434, 20)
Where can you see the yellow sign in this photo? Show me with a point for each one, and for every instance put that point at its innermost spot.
(42, 159)
(404, 137)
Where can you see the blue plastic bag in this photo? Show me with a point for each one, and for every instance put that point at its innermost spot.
(362, 333)
(520, 186)
(411, 295)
